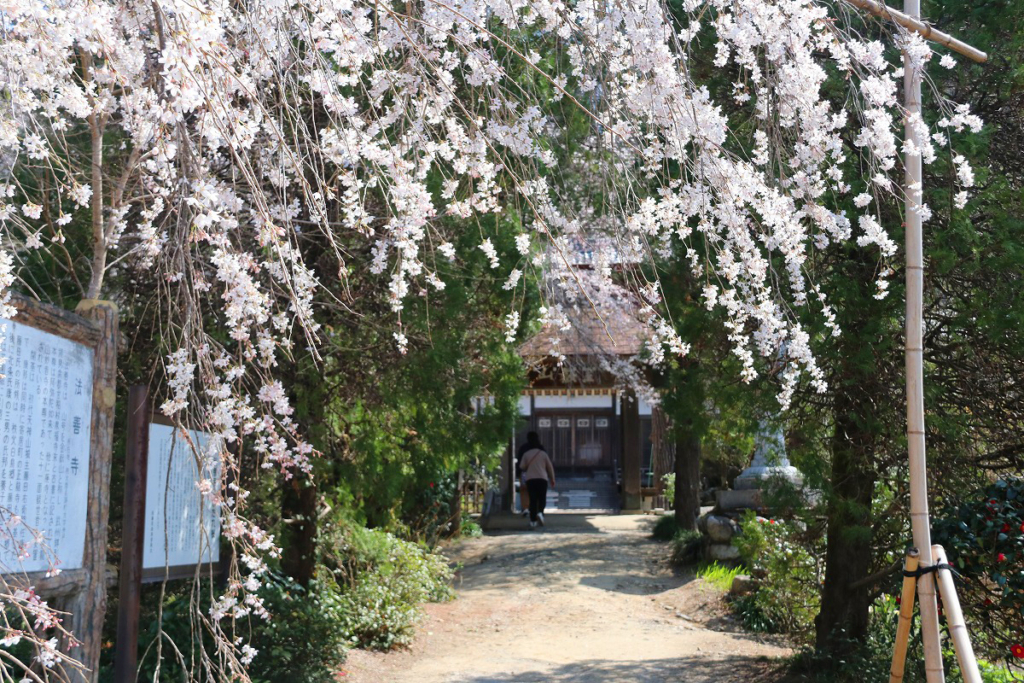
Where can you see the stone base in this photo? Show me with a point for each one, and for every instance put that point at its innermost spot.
(749, 499)
(723, 552)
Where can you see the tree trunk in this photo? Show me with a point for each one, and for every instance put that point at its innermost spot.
(687, 498)
(298, 507)
(844, 616)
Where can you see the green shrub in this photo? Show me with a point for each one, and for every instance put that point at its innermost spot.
(984, 539)
(872, 659)
(685, 546)
(788, 595)
(753, 618)
(867, 661)
(384, 582)
(669, 490)
(470, 528)
(304, 640)
(665, 528)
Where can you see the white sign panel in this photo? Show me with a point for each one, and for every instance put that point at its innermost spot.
(182, 524)
(45, 418)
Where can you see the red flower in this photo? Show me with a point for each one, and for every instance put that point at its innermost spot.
(431, 484)
(1000, 557)
(1022, 527)
(899, 600)
(1017, 651)
(1006, 527)
(988, 602)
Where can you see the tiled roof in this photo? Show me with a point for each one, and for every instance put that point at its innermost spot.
(615, 332)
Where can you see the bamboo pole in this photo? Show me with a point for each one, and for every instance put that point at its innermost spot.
(899, 653)
(914, 24)
(915, 371)
(955, 620)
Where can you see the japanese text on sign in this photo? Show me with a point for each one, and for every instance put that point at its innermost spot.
(182, 523)
(45, 420)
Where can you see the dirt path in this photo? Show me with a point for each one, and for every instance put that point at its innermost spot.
(588, 599)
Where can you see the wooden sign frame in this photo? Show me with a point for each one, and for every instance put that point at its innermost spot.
(82, 592)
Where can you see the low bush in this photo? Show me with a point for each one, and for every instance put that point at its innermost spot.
(383, 581)
(669, 490)
(470, 528)
(665, 528)
(686, 545)
(305, 639)
(984, 539)
(787, 597)
(872, 659)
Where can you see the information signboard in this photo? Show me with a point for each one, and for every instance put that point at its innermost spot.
(45, 422)
(182, 527)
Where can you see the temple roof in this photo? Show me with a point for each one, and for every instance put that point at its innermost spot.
(614, 332)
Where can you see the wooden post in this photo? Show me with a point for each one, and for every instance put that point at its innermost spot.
(133, 534)
(631, 453)
(899, 653)
(920, 523)
(955, 620)
(910, 19)
(89, 606)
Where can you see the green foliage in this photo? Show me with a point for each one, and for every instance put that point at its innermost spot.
(670, 487)
(753, 618)
(685, 546)
(789, 577)
(984, 539)
(469, 528)
(383, 580)
(685, 542)
(304, 640)
(665, 528)
(718, 575)
(872, 659)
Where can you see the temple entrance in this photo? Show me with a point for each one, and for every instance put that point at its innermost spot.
(580, 443)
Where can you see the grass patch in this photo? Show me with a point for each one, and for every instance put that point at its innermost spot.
(718, 575)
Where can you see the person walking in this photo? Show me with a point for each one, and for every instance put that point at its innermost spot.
(539, 473)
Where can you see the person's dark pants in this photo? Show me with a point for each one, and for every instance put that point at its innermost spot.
(538, 490)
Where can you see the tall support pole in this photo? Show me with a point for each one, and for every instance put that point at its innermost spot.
(915, 371)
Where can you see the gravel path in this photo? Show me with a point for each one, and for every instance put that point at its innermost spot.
(587, 599)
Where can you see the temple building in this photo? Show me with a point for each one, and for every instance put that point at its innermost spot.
(605, 443)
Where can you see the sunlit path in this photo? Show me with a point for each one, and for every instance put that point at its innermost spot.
(586, 599)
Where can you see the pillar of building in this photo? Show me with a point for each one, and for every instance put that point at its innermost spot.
(631, 454)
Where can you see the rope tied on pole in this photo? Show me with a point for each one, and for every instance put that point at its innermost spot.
(921, 571)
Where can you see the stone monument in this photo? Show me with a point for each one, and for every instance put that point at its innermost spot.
(770, 461)
(769, 464)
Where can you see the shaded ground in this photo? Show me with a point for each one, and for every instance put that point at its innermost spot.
(588, 599)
